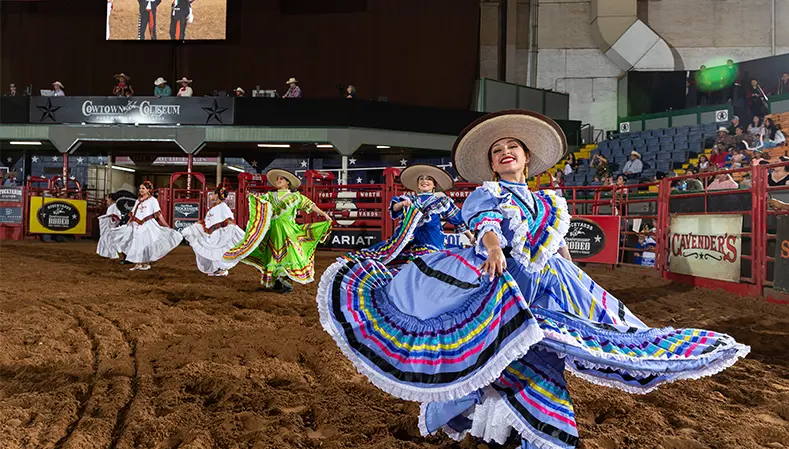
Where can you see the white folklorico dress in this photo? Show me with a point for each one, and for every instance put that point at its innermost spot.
(107, 222)
(143, 240)
(212, 237)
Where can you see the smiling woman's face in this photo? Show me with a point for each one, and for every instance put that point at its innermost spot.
(508, 157)
(426, 184)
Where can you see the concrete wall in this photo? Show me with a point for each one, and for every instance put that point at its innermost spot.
(701, 32)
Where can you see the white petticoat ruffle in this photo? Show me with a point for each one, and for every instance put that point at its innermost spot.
(209, 248)
(144, 243)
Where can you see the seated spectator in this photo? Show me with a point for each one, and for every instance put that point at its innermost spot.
(647, 244)
(723, 137)
(11, 90)
(775, 138)
(185, 90)
(718, 156)
(755, 127)
(742, 140)
(602, 169)
(557, 182)
(723, 181)
(746, 182)
(123, 88)
(350, 91)
(736, 159)
(757, 157)
(570, 164)
(161, 89)
(735, 123)
(238, 92)
(58, 87)
(294, 91)
(704, 162)
(634, 166)
(780, 175)
(10, 180)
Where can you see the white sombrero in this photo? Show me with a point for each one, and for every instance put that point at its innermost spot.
(184, 80)
(159, 80)
(123, 75)
(275, 173)
(409, 177)
(542, 136)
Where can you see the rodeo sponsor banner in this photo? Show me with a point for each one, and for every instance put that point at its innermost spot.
(133, 110)
(10, 194)
(10, 215)
(706, 246)
(781, 264)
(452, 240)
(594, 238)
(352, 239)
(185, 215)
(57, 216)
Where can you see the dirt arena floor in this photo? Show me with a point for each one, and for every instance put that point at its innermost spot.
(210, 20)
(95, 356)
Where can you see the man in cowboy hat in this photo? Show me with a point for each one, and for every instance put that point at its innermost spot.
(58, 87)
(185, 90)
(294, 91)
(634, 166)
(723, 136)
(238, 92)
(123, 88)
(161, 89)
(147, 18)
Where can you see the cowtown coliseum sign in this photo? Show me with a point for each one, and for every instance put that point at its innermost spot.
(706, 246)
(133, 110)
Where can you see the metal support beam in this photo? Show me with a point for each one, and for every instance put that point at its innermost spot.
(219, 169)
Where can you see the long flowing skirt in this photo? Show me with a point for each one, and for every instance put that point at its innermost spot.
(145, 243)
(106, 247)
(209, 248)
(488, 357)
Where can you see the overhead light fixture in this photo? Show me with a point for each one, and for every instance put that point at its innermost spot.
(382, 146)
(231, 167)
(25, 142)
(325, 145)
(274, 145)
(122, 168)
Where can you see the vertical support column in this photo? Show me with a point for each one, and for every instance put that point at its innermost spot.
(344, 171)
(65, 172)
(108, 173)
(219, 169)
(189, 162)
(488, 39)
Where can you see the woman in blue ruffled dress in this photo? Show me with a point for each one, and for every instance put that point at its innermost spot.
(483, 336)
(421, 212)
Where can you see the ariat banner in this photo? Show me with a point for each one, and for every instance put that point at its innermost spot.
(707, 246)
(57, 216)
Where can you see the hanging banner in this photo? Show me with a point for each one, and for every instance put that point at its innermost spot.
(706, 246)
(185, 214)
(57, 216)
(10, 194)
(781, 265)
(133, 110)
(594, 238)
(349, 239)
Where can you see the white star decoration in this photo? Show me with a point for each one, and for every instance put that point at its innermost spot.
(597, 239)
(403, 161)
(372, 181)
(54, 158)
(79, 160)
(358, 180)
(9, 160)
(352, 161)
(254, 163)
(303, 164)
(74, 217)
(34, 158)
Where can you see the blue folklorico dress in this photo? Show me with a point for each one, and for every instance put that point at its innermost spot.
(487, 358)
(420, 231)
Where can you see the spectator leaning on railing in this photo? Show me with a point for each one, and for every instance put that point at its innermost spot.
(780, 175)
(123, 88)
(185, 90)
(723, 181)
(161, 89)
(58, 87)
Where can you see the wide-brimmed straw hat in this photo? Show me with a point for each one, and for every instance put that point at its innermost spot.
(123, 75)
(722, 130)
(410, 177)
(275, 173)
(238, 89)
(59, 84)
(184, 80)
(636, 153)
(159, 80)
(292, 81)
(542, 136)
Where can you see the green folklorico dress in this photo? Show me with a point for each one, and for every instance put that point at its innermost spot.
(275, 244)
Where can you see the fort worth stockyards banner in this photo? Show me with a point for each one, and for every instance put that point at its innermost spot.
(133, 110)
(594, 238)
(58, 216)
(707, 246)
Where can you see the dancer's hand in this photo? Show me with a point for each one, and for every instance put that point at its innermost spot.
(472, 240)
(327, 216)
(406, 203)
(496, 263)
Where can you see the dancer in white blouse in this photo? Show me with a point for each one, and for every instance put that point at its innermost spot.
(147, 237)
(110, 220)
(212, 237)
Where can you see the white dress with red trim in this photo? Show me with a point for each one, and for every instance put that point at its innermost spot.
(107, 222)
(212, 237)
(489, 357)
(143, 239)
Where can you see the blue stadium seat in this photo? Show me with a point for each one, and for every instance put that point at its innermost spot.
(667, 146)
(669, 131)
(681, 138)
